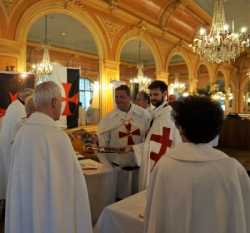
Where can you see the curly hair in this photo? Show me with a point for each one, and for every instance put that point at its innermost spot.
(158, 84)
(200, 118)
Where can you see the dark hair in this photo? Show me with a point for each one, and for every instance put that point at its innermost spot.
(200, 118)
(123, 88)
(157, 84)
(145, 96)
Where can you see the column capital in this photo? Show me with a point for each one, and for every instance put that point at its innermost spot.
(14, 50)
(111, 65)
(110, 71)
(163, 76)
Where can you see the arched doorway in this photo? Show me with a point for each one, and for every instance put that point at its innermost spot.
(203, 81)
(246, 98)
(230, 98)
(70, 45)
(178, 76)
(137, 65)
(218, 90)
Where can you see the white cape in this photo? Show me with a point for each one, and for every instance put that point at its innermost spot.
(46, 190)
(120, 130)
(161, 119)
(114, 123)
(198, 189)
(10, 125)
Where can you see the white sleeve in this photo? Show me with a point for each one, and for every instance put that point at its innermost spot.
(138, 151)
(104, 139)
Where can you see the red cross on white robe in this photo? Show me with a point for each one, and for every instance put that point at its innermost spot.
(129, 133)
(13, 97)
(2, 112)
(165, 142)
(68, 99)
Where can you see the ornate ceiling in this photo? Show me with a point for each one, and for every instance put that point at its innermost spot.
(66, 32)
(170, 15)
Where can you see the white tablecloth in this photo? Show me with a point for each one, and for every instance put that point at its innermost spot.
(124, 216)
(101, 185)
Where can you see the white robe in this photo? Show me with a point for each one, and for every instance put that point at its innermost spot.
(92, 115)
(114, 123)
(46, 189)
(119, 130)
(10, 125)
(162, 122)
(195, 189)
(81, 116)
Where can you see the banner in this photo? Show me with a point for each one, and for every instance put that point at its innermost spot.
(10, 84)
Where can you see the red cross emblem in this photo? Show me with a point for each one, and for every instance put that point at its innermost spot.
(13, 97)
(129, 133)
(68, 99)
(2, 112)
(165, 142)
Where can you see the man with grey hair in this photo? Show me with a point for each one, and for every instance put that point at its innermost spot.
(11, 123)
(46, 189)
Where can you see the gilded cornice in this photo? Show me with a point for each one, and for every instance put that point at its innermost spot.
(126, 12)
(111, 27)
(111, 65)
(10, 47)
(167, 11)
(127, 15)
(77, 3)
(64, 50)
(8, 4)
(200, 14)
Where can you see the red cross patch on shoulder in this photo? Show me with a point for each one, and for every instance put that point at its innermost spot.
(165, 142)
(129, 133)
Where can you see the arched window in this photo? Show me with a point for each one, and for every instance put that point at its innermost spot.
(86, 87)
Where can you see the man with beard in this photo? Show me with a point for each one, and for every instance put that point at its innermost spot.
(162, 134)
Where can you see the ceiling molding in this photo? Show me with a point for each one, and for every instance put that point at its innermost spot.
(167, 11)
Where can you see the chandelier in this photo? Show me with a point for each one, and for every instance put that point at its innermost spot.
(141, 80)
(221, 44)
(45, 67)
(177, 88)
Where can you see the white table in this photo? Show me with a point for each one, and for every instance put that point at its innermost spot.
(124, 216)
(101, 185)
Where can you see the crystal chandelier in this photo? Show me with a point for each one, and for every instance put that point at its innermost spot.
(45, 67)
(177, 88)
(141, 80)
(221, 44)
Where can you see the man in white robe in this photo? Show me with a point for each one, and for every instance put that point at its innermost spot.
(92, 114)
(197, 188)
(121, 129)
(81, 115)
(46, 189)
(162, 135)
(11, 122)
